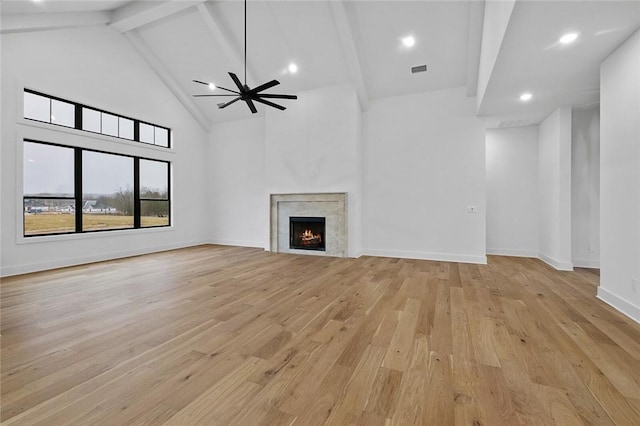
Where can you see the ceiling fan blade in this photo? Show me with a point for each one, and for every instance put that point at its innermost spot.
(202, 96)
(275, 96)
(237, 81)
(228, 103)
(264, 86)
(251, 106)
(271, 104)
(217, 87)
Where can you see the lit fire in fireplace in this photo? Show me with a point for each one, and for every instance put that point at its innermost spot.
(308, 238)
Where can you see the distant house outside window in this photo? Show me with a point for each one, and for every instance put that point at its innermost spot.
(76, 190)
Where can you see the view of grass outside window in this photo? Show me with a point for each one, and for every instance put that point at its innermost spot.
(107, 191)
(49, 189)
(154, 193)
(108, 196)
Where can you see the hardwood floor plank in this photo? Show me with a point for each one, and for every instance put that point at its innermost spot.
(230, 335)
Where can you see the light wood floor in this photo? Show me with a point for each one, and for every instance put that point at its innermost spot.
(222, 335)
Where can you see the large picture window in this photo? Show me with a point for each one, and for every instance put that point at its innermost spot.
(70, 190)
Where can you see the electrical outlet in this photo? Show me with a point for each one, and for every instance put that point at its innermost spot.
(634, 284)
(472, 209)
(592, 248)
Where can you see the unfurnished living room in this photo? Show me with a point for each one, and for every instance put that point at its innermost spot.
(344, 212)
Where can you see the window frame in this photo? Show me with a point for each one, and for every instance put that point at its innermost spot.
(137, 199)
(78, 191)
(78, 109)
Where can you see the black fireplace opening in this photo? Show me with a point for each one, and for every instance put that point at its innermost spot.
(306, 233)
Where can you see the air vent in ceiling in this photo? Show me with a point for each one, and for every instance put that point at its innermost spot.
(418, 68)
(514, 123)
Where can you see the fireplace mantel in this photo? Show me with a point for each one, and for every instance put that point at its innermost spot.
(332, 206)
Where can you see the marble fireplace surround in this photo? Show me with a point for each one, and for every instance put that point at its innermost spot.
(332, 206)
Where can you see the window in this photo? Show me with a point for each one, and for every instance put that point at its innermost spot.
(91, 121)
(61, 112)
(107, 191)
(49, 189)
(109, 124)
(154, 193)
(69, 190)
(37, 107)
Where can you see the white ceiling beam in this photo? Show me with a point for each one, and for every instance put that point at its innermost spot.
(223, 37)
(139, 13)
(29, 22)
(145, 51)
(474, 43)
(351, 50)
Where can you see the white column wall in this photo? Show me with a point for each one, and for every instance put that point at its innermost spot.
(585, 187)
(512, 191)
(620, 178)
(554, 186)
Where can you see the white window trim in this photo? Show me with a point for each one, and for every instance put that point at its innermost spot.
(29, 129)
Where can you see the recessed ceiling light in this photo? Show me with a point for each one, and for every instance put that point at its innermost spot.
(293, 68)
(408, 41)
(212, 86)
(526, 97)
(568, 38)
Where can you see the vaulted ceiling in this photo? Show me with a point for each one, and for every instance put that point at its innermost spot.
(356, 42)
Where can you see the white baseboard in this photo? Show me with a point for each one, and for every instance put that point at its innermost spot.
(55, 264)
(619, 304)
(586, 263)
(557, 264)
(442, 257)
(237, 243)
(512, 252)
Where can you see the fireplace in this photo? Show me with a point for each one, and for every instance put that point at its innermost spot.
(307, 233)
(330, 206)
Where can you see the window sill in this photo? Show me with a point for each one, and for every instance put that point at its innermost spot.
(91, 135)
(91, 235)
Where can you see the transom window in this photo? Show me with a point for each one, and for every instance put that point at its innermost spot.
(50, 109)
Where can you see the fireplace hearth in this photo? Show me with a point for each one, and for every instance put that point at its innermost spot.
(307, 233)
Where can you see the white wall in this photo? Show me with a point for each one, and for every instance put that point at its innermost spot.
(238, 199)
(585, 187)
(512, 191)
(423, 166)
(97, 67)
(554, 186)
(620, 178)
(314, 147)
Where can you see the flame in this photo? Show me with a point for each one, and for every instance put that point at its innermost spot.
(309, 238)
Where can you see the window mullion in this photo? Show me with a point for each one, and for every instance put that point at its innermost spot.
(78, 187)
(136, 193)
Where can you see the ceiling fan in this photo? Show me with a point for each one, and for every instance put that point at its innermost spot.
(244, 92)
